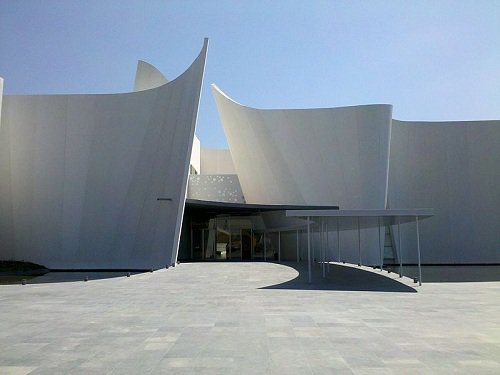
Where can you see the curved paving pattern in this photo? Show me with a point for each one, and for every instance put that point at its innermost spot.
(227, 318)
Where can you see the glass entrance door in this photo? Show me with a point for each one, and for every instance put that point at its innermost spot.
(223, 237)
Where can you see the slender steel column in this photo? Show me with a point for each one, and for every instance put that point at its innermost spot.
(230, 235)
(298, 249)
(191, 233)
(313, 248)
(359, 243)
(327, 248)
(418, 250)
(241, 243)
(380, 246)
(309, 248)
(338, 238)
(265, 248)
(279, 246)
(215, 239)
(203, 244)
(323, 247)
(251, 242)
(400, 249)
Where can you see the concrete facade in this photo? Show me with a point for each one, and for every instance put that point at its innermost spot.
(100, 181)
(452, 167)
(81, 174)
(360, 158)
(217, 162)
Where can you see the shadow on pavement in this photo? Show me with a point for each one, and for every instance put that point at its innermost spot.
(342, 278)
(63, 276)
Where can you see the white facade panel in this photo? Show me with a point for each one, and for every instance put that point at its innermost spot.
(1, 96)
(147, 77)
(81, 174)
(452, 167)
(333, 156)
(216, 162)
(327, 156)
(196, 155)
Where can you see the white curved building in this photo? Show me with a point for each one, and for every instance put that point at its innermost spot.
(309, 156)
(80, 175)
(453, 167)
(360, 158)
(101, 181)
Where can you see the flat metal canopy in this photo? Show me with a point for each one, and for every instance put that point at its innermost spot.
(245, 208)
(357, 219)
(388, 217)
(420, 212)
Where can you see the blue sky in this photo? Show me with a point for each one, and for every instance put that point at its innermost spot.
(432, 60)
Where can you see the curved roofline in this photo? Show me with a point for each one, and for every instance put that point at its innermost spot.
(444, 122)
(217, 90)
(147, 76)
(202, 51)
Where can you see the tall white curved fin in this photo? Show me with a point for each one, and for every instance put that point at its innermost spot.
(1, 94)
(80, 175)
(148, 77)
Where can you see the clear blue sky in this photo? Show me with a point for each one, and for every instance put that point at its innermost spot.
(433, 60)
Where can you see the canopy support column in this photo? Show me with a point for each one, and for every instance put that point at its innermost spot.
(203, 244)
(298, 256)
(265, 248)
(418, 251)
(251, 243)
(359, 243)
(279, 246)
(230, 235)
(327, 247)
(241, 243)
(191, 236)
(323, 250)
(309, 247)
(338, 238)
(400, 249)
(380, 247)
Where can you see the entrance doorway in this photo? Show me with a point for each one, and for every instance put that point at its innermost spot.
(222, 237)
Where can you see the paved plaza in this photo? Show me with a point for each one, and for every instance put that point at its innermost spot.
(250, 318)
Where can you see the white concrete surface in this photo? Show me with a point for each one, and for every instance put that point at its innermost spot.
(196, 155)
(148, 77)
(330, 156)
(454, 168)
(1, 96)
(354, 158)
(216, 162)
(321, 156)
(249, 318)
(80, 175)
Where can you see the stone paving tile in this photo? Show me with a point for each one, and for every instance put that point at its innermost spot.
(248, 318)
(16, 370)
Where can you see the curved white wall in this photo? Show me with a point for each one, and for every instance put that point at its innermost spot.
(215, 161)
(80, 175)
(325, 156)
(453, 167)
(196, 155)
(147, 77)
(1, 96)
(332, 156)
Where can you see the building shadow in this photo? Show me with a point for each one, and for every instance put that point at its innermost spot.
(342, 278)
(458, 273)
(63, 276)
